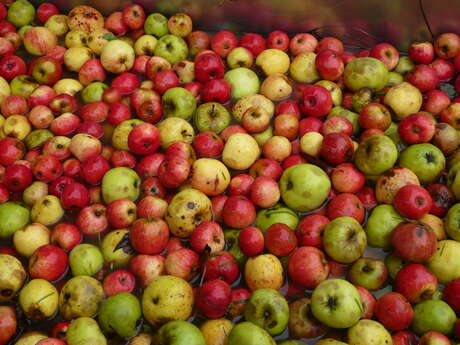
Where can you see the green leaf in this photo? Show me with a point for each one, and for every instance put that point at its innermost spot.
(109, 37)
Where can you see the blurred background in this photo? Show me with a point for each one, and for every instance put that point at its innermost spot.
(359, 23)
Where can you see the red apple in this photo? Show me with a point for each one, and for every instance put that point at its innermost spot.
(447, 45)
(255, 43)
(264, 192)
(329, 65)
(280, 240)
(121, 213)
(404, 338)
(423, 77)
(422, 52)
(118, 281)
(393, 311)
(435, 101)
(368, 300)
(302, 43)
(208, 66)
(92, 70)
(412, 201)
(223, 42)
(182, 263)
(330, 43)
(48, 262)
(221, 265)
(251, 241)
(415, 282)
(238, 212)
(92, 220)
(444, 69)
(66, 236)
(345, 205)
(133, 16)
(308, 267)
(8, 324)
(147, 268)
(149, 236)
(337, 148)
(278, 40)
(213, 298)
(12, 66)
(386, 53)
(207, 237)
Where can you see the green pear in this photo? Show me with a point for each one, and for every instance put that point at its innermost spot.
(248, 333)
(336, 303)
(172, 48)
(21, 13)
(348, 114)
(85, 331)
(405, 64)
(121, 132)
(433, 315)
(394, 79)
(304, 187)
(365, 72)
(47, 210)
(85, 260)
(445, 263)
(367, 332)
(425, 160)
(116, 249)
(12, 276)
(178, 102)
(120, 313)
(13, 216)
(93, 92)
(156, 24)
(179, 333)
(167, 298)
(277, 214)
(37, 138)
(187, 209)
(39, 299)
(212, 116)
(243, 81)
(268, 309)
(120, 183)
(80, 296)
(30, 338)
(375, 154)
(344, 239)
(381, 222)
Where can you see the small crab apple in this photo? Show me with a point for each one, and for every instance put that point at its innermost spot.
(255, 43)
(386, 53)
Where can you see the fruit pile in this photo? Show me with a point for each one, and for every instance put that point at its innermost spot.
(160, 185)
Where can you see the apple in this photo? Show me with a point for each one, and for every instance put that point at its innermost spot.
(404, 99)
(425, 160)
(8, 322)
(263, 271)
(433, 315)
(308, 267)
(85, 329)
(21, 13)
(38, 299)
(365, 72)
(120, 62)
(376, 148)
(336, 303)
(243, 82)
(302, 43)
(369, 273)
(368, 332)
(394, 311)
(172, 48)
(386, 53)
(10, 284)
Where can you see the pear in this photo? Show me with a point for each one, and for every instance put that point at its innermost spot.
(30, 338)
(80, 297)
(12, 276)
(13, 216)
(120, 183)
(264, 271)
(179, 333)
(216, 332)
(85, 331)
(248, 333)
(85, 260)
(114, 250)
(369, 332)
(167, 298)
(404, 99)
(120, 313)
(39, 299)
(365, 72)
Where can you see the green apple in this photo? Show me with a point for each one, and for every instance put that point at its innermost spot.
(336, 303)
(120, 183)
(433, 315)
(365, 72)
(405, 64)
(80, 296)
(369, 273)
(47, 210)
(404, 99)
(116, 249)
(361, 98)
(93, 92)
(394, 79)
(367, 332)
(85, 331)
(212, 116)
(392, 132)
(231, 241)
(172, 48)
(243, 81)
(276, 214)
(37, 138)
(348, 114)
(121, 132)
(445, 263)
(39, 299)
(85, 260)
(13, 216)
(304, 187)
(268, 309)
(175, 129)
(120, 313)
(248, 333)
(344, 239)
(187, 209)
(167, 298)
(303, 68)
(375, 154)
(425, 160)
(23, 85)
(156, 24)
(12, 276)
(21, 13)
(178, 102)
(394, 265)
(302, 323)
(179, 333)
(381, 222)
(452, 221)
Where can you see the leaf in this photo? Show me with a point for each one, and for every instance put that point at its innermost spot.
(109, 37)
